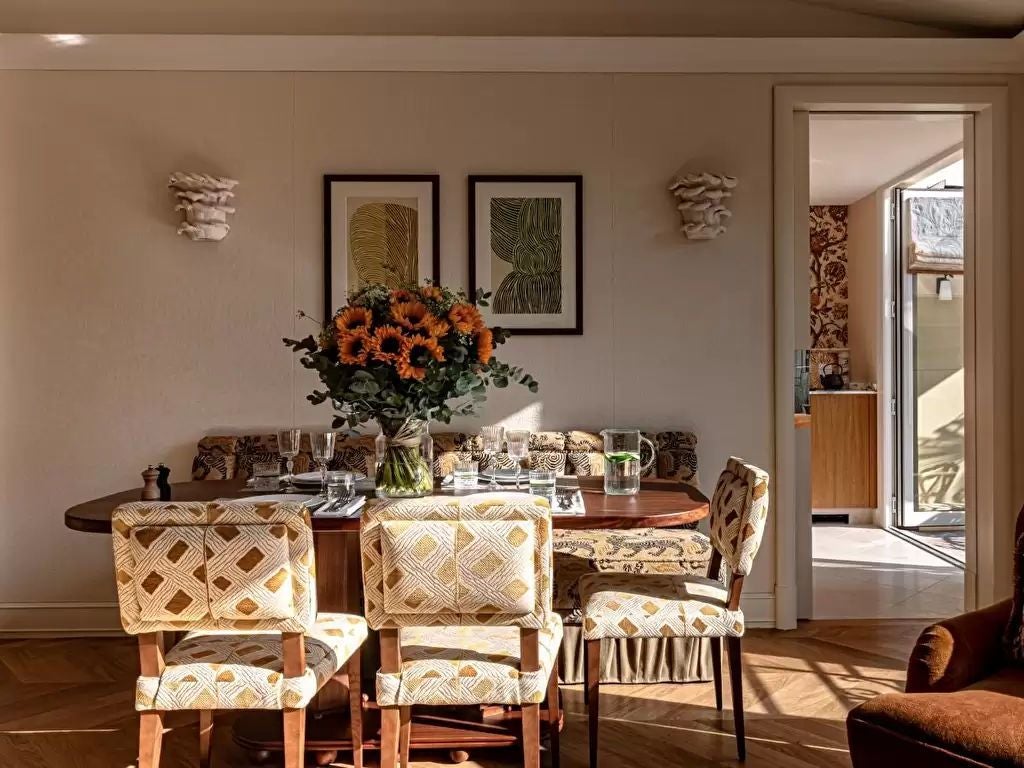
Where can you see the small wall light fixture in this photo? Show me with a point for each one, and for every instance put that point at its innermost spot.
(944, 288)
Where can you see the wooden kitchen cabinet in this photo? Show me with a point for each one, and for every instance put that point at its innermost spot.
(844, 441)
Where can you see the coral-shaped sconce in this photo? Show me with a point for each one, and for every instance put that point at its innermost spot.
(202, 199)
(702, 206)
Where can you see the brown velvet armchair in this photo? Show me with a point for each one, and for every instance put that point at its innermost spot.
(964, 702)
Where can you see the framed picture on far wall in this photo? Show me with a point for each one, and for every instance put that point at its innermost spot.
(379, 229)
(526, 248)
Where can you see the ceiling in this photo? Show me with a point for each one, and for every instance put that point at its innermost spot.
(975, 17)
(694, 18)
(852, 156)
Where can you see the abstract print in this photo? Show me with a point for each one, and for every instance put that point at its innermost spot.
(383, 242)
(526, 248)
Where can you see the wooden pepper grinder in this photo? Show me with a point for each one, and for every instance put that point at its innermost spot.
(150, 490)
(163, 481)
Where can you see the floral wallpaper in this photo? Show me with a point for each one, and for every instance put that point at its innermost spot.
(829, 293)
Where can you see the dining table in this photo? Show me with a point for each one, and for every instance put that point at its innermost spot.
(657, 504)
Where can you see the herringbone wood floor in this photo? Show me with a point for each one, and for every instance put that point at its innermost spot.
(68, 703)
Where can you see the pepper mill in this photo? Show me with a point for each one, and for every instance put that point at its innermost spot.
(150, 490)
(162, 481)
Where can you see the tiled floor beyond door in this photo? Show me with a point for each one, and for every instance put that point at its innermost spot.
(862, 572)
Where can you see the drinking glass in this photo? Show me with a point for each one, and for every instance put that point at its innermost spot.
(323, 451)
(518, 446)
(341, 487)
(466, 473)
(288, 446)
(542, 483)
(266, 476)
(492, 438)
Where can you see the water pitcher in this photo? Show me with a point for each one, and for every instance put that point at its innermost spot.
(622, 465)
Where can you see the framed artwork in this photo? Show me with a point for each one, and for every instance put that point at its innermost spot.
(379, 229)
(526, 248)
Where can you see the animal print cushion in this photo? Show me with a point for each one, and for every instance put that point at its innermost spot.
(233, 670)
(629, 605)
(468, 665)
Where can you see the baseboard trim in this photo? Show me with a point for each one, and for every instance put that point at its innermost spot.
(59, 619)
(759, 609)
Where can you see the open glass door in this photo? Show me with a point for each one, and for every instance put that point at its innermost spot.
(928, 365)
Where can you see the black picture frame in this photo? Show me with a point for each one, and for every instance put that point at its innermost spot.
(435, 194)
(574, 179)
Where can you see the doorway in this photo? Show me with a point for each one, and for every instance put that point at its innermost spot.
(863, 564)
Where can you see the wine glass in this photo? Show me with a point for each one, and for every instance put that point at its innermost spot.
(492, 438)
(518, 442)
(288, 446)
(323, 452)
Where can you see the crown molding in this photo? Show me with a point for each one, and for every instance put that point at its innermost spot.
(289, 53)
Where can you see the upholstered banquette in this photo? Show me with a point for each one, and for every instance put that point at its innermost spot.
(572, 452)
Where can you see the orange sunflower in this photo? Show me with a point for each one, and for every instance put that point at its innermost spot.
(401, 294)
(386, 344)
(437, 327)
(431, 292)
(417, 351)
(485, 346)
(466, 318)
(354, 319)
(354, 347)
(410, 314)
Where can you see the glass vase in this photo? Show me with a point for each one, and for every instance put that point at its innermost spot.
(405, 459)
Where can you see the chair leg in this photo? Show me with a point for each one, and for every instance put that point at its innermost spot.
(736, 680)
(593, 694)
(390, 724)
(716, 668)
(531, 735)
(404, 734)
(151, 736)
(205, 737)
(355, 705)
(294, 738)
(554, 716)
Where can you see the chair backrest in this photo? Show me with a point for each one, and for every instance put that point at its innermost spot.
(435, 562)
(206, 565)
(739, 512)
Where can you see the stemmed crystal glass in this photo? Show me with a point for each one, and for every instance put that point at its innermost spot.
(492, 438)
(518, 442)
(288, 446)
(323, 452)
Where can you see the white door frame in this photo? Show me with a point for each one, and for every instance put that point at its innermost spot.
(990, 517)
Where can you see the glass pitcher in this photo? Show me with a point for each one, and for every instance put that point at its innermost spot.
(622, 466)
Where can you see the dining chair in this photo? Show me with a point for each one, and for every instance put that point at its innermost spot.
(239, 578)
(617, 605)
(461, 596)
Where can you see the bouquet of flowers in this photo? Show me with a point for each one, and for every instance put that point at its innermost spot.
(404, 357)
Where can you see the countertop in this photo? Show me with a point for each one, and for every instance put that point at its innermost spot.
(843, 392)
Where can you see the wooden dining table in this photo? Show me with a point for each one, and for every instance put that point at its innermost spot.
(658, 504)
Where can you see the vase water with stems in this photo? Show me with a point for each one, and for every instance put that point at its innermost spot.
(288, 446)
(323, 451)
(492, 438)
(517, 442)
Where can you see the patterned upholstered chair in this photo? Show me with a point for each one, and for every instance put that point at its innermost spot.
(240, 579)
(462, 599)
(621, 605)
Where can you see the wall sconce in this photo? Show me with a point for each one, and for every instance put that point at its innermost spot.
(944, 288)
(702, 205)
(202, 199)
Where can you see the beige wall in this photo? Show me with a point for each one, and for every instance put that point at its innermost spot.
(125, 343)
(864, 273)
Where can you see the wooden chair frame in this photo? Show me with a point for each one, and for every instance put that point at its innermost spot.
(293, 650)
(396, 722)
(592, 669)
